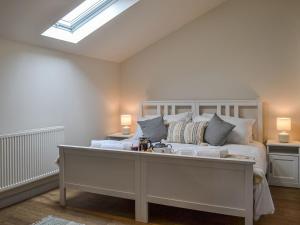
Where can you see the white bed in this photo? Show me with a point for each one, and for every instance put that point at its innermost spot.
(219, 185)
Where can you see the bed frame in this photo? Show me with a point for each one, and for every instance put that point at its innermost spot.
(215, 185)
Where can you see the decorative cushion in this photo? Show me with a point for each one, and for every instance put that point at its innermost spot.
(194, 132)
(217, 131)
(154, 129)
(242, 132)
(139, 132)
(176, 132)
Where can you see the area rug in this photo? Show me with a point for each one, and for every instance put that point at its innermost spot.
(50, 220)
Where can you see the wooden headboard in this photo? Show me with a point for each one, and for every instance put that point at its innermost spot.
(235, 108)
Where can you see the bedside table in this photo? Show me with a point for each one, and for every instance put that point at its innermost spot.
(119, 136)
(283, 168)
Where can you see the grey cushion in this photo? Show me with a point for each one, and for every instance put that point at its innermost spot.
(154, 129)
(217, 131)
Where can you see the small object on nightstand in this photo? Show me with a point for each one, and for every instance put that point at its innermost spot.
(283, 159)
(283, 125)
(119, 136)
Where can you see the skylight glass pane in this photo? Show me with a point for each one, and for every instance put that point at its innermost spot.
(86, 18)
(83, 7)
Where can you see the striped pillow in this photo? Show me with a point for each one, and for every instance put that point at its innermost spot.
(176, 132)
(194, 132)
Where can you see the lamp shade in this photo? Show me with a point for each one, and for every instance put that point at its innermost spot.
(283, 123)
(125, 120)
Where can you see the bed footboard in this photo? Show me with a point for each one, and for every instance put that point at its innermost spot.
(102, 172)
(210, 185)
(222, 186)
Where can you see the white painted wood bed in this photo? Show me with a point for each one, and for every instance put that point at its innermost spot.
(216, 185)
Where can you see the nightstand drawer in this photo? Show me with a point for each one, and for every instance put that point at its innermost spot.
(283, 170)
(284, 150)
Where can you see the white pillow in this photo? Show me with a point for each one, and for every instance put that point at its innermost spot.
(243, 131)
(201, 118)
(186, 116)
(209, 115)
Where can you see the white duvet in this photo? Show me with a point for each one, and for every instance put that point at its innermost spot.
(263, 203)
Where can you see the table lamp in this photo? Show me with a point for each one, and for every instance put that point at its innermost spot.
(283, 125)
(125, 122)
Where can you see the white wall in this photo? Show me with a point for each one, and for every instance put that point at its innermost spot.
(241, 50)
(41, 88)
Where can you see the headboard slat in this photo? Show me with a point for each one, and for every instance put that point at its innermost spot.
(236, 110)
(219, 109)
(173, 109)
(158, 109)
(227, 110)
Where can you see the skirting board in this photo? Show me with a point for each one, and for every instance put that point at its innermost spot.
(27, 191)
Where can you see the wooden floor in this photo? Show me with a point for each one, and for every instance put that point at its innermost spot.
(92, 209)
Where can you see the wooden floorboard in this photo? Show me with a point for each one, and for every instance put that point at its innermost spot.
(92, 209)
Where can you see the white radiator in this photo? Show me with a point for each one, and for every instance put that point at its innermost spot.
(28, 156)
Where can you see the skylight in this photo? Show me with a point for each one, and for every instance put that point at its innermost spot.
(86, 18)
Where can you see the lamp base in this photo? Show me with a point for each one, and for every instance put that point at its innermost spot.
(125, 130)
(283, 137)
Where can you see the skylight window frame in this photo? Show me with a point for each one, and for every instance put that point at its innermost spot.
(84, 17)
(97, 17)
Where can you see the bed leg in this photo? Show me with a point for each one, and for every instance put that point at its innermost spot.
(141, 212)
(249, 195)
(249, 220)
(63, 199)
(62, 187)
